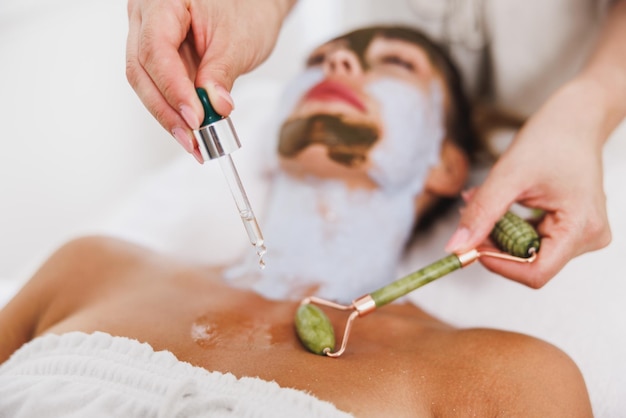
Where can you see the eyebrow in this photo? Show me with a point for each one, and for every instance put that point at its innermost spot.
(321, 51)
(315, 58)
(407, 49)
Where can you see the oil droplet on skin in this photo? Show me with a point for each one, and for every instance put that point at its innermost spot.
(203, 334)
(235, 332)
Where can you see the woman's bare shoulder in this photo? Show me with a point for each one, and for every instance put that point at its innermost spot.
(94, 249)
(517, 375)
(22, 317)
(73, 276)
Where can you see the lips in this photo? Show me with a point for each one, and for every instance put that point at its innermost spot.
(333, 91)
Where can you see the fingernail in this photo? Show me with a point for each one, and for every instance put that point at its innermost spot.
(224, 94)
(190, 117)
(183, 138)
(458, 240)
(196, 153)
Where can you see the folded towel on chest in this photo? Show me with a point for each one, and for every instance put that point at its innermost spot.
(99, 375)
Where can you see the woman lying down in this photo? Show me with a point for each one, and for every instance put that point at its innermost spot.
(377, 136)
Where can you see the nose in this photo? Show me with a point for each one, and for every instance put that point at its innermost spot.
(342, 62)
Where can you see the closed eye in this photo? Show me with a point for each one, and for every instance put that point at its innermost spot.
(396, 60)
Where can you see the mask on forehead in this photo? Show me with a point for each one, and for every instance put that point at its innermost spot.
(413, 132)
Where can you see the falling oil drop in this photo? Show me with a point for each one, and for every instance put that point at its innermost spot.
(260, 251)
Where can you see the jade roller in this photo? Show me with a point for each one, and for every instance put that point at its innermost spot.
(217, 139)
(515, 237)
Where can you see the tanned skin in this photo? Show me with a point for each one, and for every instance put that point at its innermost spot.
(400, 362)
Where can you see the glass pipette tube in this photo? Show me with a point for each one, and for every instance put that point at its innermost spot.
(243, 206)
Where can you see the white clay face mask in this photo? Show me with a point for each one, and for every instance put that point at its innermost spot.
(296, 89)
(292, 94)
(412, 137)
(320, 233)
(279, 112)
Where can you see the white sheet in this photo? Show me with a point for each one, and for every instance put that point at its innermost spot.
(98, 375)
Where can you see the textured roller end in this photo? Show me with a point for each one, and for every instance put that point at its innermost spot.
(515, 236)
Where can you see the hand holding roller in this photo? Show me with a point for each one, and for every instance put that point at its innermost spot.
(514, 236)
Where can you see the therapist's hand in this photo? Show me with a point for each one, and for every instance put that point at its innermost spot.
(553, 164)
(174, 46)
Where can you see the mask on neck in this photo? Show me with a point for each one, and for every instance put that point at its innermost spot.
(346, 242)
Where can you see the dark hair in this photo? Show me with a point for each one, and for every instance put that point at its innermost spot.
(458, 117)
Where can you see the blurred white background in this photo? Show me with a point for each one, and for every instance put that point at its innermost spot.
(76, 139)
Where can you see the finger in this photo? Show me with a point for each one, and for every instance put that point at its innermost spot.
(217, 74)
(148, 92)
(552, 257)
(158, 44)
(557, 247)
(486, 205)
(468, 194)
(230, 49)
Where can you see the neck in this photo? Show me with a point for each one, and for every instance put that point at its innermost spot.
(326, 238)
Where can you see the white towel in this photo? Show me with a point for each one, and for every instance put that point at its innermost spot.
(99, 375)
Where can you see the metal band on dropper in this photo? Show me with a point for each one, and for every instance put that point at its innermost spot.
(216, 136)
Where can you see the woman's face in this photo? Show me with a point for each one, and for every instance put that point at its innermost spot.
(338, 120)
(343, 90)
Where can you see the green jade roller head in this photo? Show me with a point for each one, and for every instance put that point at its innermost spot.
(516, 238)
(217, 139)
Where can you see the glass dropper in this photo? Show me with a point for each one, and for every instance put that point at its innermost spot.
(217, 139)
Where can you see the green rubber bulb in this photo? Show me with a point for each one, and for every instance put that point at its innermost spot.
(210, 115)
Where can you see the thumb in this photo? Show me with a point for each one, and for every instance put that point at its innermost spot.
(484, 207)
(217, 76)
